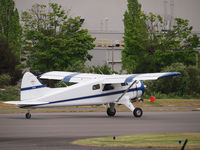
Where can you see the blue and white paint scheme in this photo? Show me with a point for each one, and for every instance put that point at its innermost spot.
(90, 89)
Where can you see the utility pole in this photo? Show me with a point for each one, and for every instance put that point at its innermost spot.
(106, 24)
(112, 58)
(165, 15)
(171, 14)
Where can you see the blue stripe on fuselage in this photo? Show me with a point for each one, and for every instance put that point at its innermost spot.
(32, 87)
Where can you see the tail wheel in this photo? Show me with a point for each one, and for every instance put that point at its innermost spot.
(137, 112)
(28, 115)
(111, 113)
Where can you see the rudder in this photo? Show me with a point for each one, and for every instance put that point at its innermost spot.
(31, 88)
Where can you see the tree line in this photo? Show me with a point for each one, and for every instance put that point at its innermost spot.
(149, 47)
(47, 38)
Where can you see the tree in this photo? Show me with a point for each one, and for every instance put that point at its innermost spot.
(104, 69)
(188, 83)
(171, 46)
(8, 62)
(180, 37)
(80, 67)
(10, 28)
(135, 37)
(10, 40)
(149, 48)
(54, 40)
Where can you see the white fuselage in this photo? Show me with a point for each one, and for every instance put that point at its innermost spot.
(87, 93)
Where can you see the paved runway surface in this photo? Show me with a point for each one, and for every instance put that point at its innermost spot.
(56, 131)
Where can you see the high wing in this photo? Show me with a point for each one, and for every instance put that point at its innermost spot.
(70, 76)
(107, 79)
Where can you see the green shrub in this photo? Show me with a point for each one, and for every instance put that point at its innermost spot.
(5, 80)
(10, 94)
(185, 85)
(81, 67)
(104, 69)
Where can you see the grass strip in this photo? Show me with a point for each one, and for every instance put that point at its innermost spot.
(146, 103)
(168, 141)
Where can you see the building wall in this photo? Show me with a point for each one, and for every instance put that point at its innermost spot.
(108, 55)
(107, 15)
(104, 20)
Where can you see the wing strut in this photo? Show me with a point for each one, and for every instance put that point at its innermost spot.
(126, 90)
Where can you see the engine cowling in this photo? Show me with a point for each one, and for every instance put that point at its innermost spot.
(138, 91)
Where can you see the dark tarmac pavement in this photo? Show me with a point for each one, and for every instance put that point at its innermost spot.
(56, 131)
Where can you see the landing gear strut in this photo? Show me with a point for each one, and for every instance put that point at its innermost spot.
(28, 115)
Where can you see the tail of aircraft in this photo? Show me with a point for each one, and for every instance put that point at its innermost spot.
(31, 88)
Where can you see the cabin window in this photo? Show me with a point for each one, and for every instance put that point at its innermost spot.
(96, 87)
(108, 87)
(124, 84)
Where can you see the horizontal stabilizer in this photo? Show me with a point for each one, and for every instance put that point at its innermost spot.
(25, 102)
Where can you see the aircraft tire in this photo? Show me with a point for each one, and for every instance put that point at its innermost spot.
(28, 115)
(111, 113)
(137, 112)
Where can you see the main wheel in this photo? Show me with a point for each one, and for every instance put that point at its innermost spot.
(111, 113)
(28, 115)
(137, 112)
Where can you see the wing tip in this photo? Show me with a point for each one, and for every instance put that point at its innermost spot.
(170, 74)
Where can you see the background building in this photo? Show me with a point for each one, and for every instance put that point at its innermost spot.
(104, 20)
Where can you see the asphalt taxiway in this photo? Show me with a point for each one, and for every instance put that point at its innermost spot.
(57, 130)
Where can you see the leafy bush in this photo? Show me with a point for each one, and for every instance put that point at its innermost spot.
(104, 69)
(4, 80)
(10, 94)
(185, 85)
(9, 63)
(81, 67)
(78, 66)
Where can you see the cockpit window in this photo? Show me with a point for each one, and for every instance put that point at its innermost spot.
(108, 87)
(124, 84)
(96, 87)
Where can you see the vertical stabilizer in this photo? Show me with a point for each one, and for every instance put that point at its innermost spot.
(31, 88)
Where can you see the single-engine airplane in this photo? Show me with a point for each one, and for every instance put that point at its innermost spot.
(90, 89)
